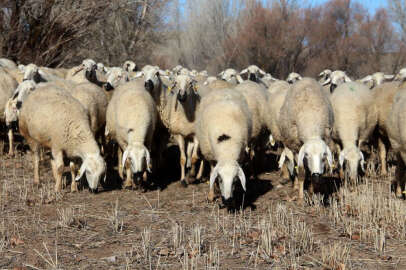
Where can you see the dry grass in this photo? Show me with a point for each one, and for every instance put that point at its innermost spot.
(177, 229)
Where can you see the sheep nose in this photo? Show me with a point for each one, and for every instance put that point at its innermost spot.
(316, 178)
(25, 79)
(182, 97)
(332, 87)
(108, 87)
(290, 81)
(149, 85)
(18, 105)
(253, 77)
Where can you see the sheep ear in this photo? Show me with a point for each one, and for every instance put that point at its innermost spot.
(301, 156)
(241, 175)
(148, 159)
(329, 156)
(389, 77)
(328, 81)
(347, 79)
(341, 158)
(366, 79)
(261, 72)
(271, 140)
(282, 159)
(244, 71)
(239, 79)
(362, 161)
(213, 176)
(125, 156)
(82, 171)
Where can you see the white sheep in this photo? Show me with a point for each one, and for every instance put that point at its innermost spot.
(130, 66)
(305, 122)
(131, 121)
(66, 132)
(355, 118)
(223, 127)
(293, 77)
(324, 75)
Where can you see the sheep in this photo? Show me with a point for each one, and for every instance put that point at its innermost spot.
(86, 72)
(336, 78)
(7, 63)
(33, 72)
(376, 79)
(130, 66)
(131, 121)
(177, 110)
(305, 122)
(293, 77)
(383, 96)
(223, 128)
(355, 118)
(230, 75)
(268, 80)
(253, 72)
(66, 132)
(7, 86)
(396, 132)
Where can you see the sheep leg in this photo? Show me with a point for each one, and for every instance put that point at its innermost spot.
(301, 179)
(200, 172)
(11, 142)
(128, 184)
(57, 169)
(382, 156)
(400, 176)
(211, 195)
(73, 170)
(195, 158)
(120, 166)
(285, 172)
(35, 153)
(181, 143)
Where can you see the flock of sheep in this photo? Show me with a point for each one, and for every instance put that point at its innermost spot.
(228, 121)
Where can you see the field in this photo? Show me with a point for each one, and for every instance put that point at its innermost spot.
(176, 228)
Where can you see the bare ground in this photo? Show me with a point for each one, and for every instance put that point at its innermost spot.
(176, 228)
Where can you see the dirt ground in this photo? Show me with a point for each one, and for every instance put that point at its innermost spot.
(176, 228)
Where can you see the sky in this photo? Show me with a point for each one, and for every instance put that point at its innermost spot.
(372, 5)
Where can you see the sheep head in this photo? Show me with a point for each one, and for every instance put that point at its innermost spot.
(11, 112)
(23, 90)
(230, 75)
(151, 79)
(95, 167)
(313, 155)
(31, 72)
(401, 76)
(376, 79)
(115, 77)
(337, 78)
(253, 73)
(139, 157)
(129, 66)
(227, 173)
(293, 77)
(354, 158)
(183, 86)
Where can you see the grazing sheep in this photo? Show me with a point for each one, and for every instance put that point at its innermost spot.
(305, 122)
(7, 86)
(223, 127)
(230, 75)
(66, 132)
(131, 121)
(293, 77)
(396, 130)
(7, 63)
(336, 78)
(355, 118)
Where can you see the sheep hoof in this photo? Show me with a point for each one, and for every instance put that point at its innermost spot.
(184, 183)
(130, 187)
